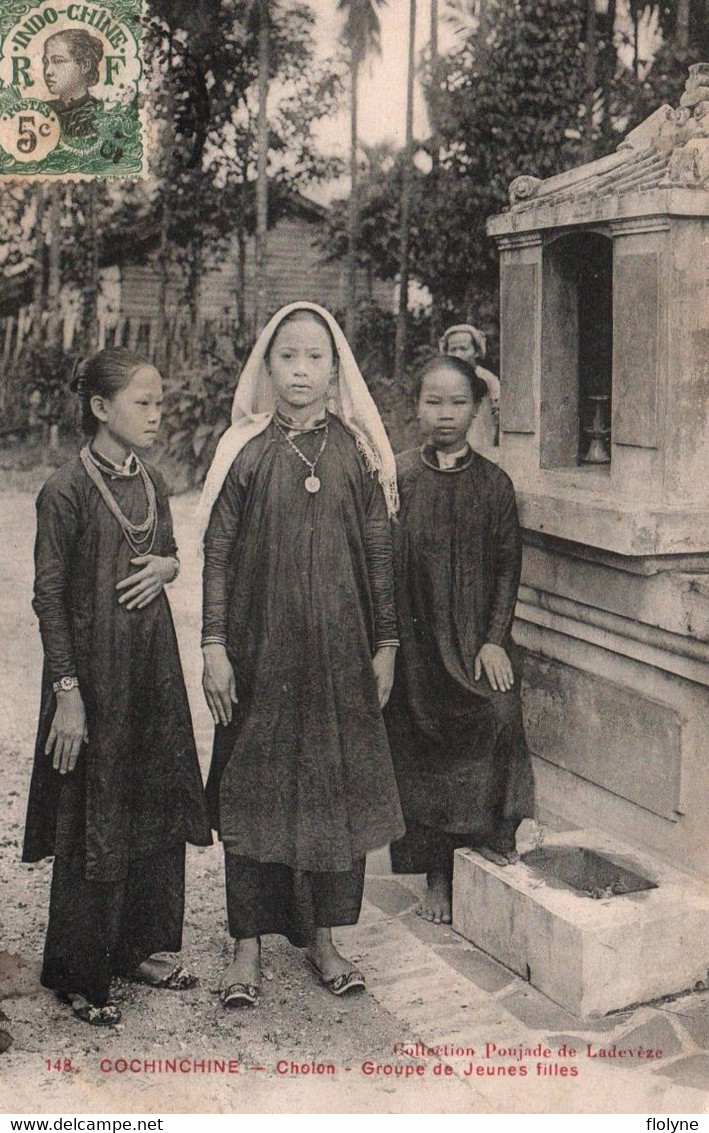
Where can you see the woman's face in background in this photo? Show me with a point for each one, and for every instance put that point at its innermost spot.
(461, 345)
(64, 76)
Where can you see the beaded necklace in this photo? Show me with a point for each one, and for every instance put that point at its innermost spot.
(139, 536)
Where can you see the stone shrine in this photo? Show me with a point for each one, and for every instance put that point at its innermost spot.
(604, 282)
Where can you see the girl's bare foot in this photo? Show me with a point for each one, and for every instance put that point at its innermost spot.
(498, 857)
(153, 970)
(245, 968)
(325, 958)
(436, 905)
(168, 975)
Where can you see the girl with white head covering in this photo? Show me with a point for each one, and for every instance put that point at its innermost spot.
(299, 641)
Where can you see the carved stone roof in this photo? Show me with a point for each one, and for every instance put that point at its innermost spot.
(670, 149)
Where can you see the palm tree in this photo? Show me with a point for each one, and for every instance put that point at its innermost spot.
(402, 313)
(91, 285)
(636, 10)
(682, 29)
(590, 77)
(361, 36)
(434, 116)
(54, 264)
(39, 275)
(262, 9)
(607, 63)
(466, 16)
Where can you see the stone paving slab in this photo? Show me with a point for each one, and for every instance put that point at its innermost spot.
(389, 896)
(691, 1016)
(692, 1071)
(480, 969)
(535, 1010)
(451, 997)
(697, 1027)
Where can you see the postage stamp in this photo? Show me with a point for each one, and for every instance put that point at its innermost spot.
(69, 86)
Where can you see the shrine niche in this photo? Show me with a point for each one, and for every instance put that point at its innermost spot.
(577, 351)
(603, 280)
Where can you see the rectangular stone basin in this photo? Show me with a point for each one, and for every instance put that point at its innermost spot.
(646, 935)
(585, 871)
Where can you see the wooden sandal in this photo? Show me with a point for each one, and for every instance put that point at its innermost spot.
(107, 1016)
(239, 995)
(341, 984)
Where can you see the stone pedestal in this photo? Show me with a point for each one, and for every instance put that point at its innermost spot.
(589, 955)
(616, 696)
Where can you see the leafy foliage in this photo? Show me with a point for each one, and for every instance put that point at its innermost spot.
(197, 410)
(37, 391)
(361, 33)
(525, 89)
(512, 97)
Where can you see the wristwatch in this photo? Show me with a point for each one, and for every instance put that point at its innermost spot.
(66, 684)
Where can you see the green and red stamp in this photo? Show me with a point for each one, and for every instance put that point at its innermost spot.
(69, 85)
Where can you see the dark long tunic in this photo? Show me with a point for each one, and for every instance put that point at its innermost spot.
(98, 930)
(300, 589)
(136, 789)
(77, 119)
(461, 760)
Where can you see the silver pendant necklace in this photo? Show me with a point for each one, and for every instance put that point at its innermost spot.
(311, 482)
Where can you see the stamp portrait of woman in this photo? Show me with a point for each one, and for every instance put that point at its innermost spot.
(71, 67)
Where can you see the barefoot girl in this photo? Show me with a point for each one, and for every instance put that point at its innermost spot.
(299, 643)
(454, 718)
(116, 789)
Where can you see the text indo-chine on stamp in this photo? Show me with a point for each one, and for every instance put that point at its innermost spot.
(69, 84)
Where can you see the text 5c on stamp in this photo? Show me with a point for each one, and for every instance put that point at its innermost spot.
(69, 82)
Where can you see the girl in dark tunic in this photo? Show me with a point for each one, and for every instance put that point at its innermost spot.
(299, 643)
(454, 719)
(116, 789)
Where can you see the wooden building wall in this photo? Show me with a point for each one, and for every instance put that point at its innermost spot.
(297, 268)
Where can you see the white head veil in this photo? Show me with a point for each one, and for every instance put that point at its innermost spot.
(254, 405)
(464, 328)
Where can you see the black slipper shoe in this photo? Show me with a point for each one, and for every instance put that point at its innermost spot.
(239, 995)
(107, 1016)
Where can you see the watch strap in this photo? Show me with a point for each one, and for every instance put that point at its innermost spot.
(66, 684)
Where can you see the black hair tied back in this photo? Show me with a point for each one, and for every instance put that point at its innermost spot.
(77, 379)
(102, 375)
